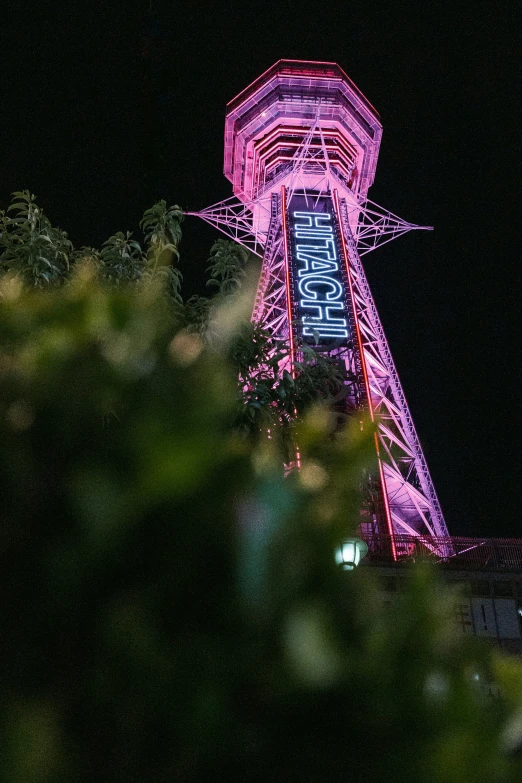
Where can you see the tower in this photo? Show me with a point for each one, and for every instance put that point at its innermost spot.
(301, 148)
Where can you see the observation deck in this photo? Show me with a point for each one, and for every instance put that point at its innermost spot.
(268, 121)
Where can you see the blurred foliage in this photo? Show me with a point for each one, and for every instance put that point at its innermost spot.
(227, 265)
(162, 228)
(122, 259)
(29, 244)
(171, 610)
(269, 396)
(41, 255)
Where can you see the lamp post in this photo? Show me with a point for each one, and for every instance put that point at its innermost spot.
(349, 554)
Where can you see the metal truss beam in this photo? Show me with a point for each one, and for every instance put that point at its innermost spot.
(412, 496)
(376, 226)
(257, 225)
(246, 222)
(237, 220)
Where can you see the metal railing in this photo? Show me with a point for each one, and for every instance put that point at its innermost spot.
(454, 551)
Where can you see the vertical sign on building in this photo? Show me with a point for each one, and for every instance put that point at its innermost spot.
(317, 274)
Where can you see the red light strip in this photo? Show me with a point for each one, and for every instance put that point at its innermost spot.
(385, 497)
(287, 272)
(279, 138)
(261, 148)
(365, 374)
(338, 159)
(299, 129)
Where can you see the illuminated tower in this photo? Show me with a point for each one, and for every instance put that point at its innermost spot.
(301, 147)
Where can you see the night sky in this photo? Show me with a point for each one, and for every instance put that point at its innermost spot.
(109, 106)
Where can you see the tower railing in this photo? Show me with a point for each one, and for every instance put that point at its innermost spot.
(455, 551)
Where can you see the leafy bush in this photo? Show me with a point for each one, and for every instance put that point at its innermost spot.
(30, 245)
(171, 610)
(269, 396)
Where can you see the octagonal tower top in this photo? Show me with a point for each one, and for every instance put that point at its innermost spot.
(268, 121)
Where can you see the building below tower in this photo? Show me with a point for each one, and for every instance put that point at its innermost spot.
(487, 573)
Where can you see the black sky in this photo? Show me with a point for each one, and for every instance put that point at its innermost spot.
(108, 106)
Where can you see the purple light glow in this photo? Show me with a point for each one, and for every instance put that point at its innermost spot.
(301, 148)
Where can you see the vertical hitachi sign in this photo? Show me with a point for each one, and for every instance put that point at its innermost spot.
(319, 289)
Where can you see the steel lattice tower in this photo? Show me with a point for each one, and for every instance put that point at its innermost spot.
(301, 147)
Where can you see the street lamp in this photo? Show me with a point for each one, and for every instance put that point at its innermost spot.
(350, 553)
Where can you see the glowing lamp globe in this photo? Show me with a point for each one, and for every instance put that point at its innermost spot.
(350, 553)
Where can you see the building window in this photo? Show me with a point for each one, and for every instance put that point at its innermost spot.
(480, 587)
(463, 618)
(461, 584)
(502, 589)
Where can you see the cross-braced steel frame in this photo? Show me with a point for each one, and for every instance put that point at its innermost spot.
(410, 498)
(234, 218)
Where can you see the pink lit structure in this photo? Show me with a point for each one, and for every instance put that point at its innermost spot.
(301, 147)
